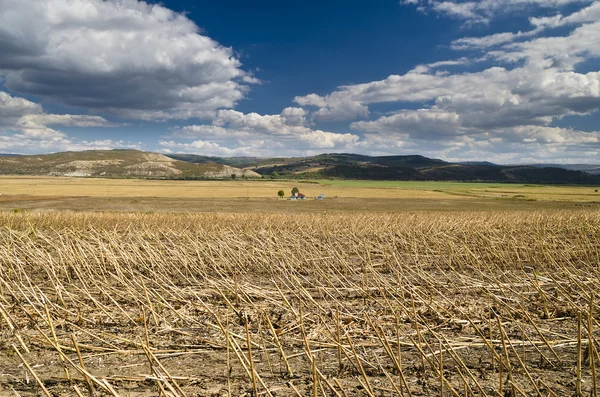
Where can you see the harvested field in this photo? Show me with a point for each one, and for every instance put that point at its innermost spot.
(363, 304)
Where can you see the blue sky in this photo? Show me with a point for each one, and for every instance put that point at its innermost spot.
(510, 81)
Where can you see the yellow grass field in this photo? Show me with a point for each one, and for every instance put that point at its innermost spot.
(97, 187)
(139, 195)
(82, 187)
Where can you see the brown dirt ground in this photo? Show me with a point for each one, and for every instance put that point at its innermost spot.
(265, 205)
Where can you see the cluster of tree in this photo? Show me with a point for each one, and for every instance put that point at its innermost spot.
(281, 193)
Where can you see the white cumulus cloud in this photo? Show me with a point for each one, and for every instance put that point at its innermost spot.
(125, 57)
(264, 134)
(482, 11)
(26, 128)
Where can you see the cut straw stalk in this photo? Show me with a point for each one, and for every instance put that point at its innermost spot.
(279, 346)
(592, 354)
(250, 360)
(32, 372)
(57, 345)
(102, 383)
(579, 357)
(90, 385)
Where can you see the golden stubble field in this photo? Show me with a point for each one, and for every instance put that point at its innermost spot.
(44, 186)
(362, 304)
(134, 188)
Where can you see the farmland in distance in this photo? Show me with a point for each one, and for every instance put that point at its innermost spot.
(137, 195)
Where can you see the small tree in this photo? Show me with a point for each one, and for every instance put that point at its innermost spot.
(295, 190)
(281, 193)
(233, 176)
(274, 175)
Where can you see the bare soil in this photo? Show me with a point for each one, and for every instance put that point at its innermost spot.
(273, 205)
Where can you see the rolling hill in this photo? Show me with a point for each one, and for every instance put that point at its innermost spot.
(117, 164)
(410, 168)
(139, 164)
(300, 165)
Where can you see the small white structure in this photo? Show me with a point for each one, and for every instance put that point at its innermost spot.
(320, 197)
(298, 196)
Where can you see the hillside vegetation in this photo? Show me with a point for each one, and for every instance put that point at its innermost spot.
(400, 168)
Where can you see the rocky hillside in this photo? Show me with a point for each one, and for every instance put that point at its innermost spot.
(117, 164)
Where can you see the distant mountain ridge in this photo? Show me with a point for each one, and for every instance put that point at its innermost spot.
(139, 164)
(116, 164)
(407, 167)
(417, 161)
(593, 169)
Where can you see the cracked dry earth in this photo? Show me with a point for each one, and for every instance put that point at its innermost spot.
(467, 304)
